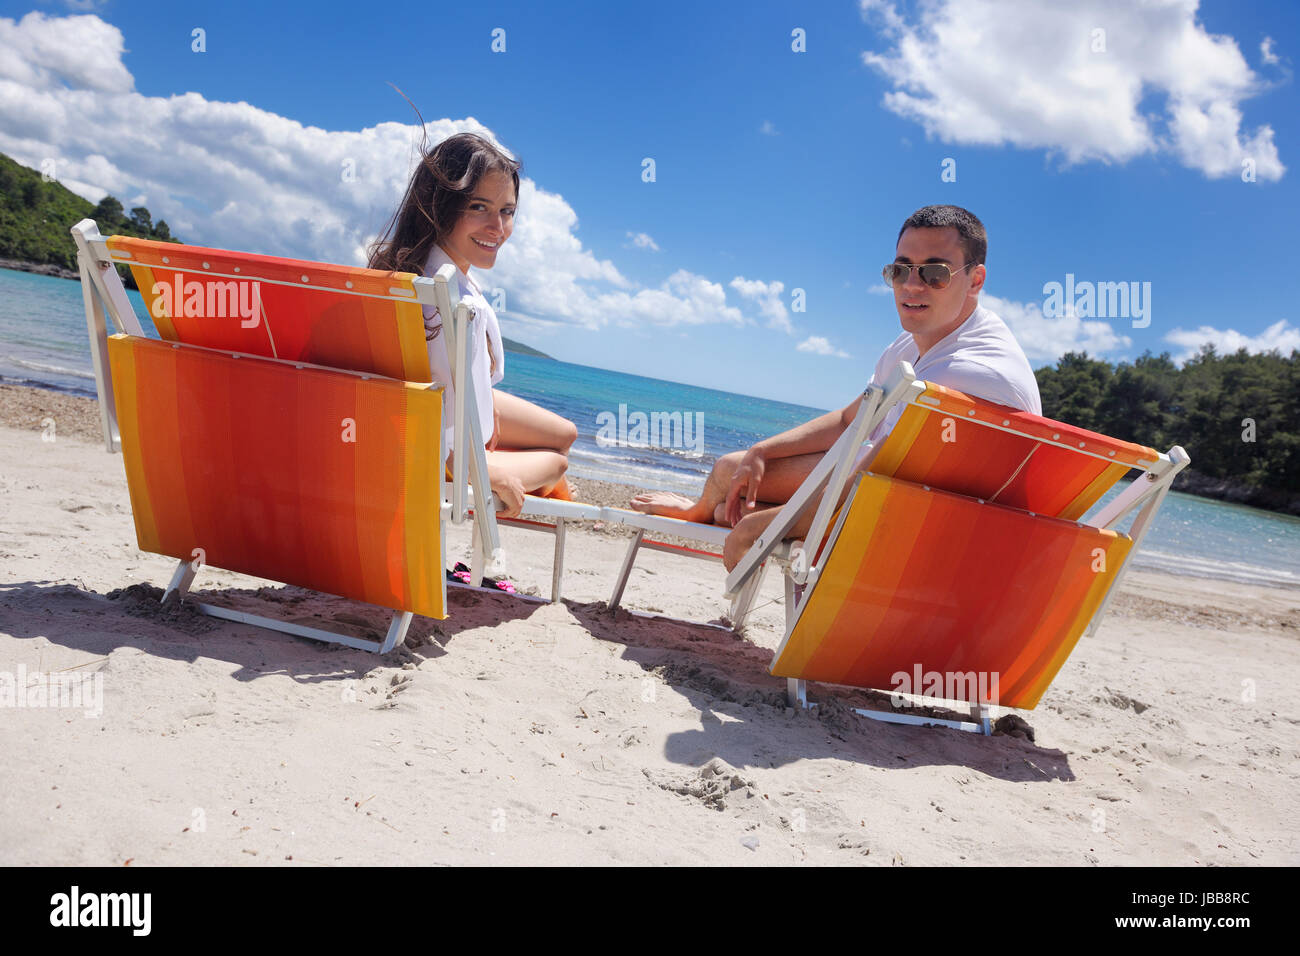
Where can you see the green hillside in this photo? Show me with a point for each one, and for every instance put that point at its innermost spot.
(36, 216)
(513, 346)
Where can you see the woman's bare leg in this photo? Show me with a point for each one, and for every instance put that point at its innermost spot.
(538, 469)
(524, 425)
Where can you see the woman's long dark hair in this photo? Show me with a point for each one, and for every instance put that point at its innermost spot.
(439, 192)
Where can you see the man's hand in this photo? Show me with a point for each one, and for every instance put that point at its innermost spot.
(511, 491)
(744, 482)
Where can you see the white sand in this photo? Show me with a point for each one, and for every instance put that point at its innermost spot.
(534, 733)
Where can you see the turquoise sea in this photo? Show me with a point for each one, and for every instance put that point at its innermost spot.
(681, 429)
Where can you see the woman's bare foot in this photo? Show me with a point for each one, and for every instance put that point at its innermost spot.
(671, 505)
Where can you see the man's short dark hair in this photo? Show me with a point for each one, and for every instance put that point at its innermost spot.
(974, 241)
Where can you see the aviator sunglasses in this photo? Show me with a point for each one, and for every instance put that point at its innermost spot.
(936, 275)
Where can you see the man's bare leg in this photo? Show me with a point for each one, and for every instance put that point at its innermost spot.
(781, 480)
(751, 527)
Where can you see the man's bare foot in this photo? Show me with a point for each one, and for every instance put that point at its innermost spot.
(671, 505)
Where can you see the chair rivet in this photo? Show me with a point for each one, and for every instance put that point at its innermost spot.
(236, 268)
(165, 260)
(348, 283)
(1006, 421)
(206, 266)
(305, 279)
(1056, 436)
(1080, 444)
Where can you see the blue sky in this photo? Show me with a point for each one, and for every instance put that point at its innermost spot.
(1115, 157)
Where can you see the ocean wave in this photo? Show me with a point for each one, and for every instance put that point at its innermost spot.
(638, 457)
(1216, 568)
(53, 369)
(642, 476)
(47, 386)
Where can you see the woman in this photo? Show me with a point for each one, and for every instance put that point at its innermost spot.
(460, 208)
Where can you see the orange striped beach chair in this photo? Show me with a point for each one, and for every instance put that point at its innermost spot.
(960, 566)
(283, 424)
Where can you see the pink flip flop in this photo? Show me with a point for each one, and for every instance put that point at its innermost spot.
(461, 573)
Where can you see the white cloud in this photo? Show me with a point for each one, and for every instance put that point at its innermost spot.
(83, 53)
(1281, 335)
(643, 241)
(1048, 339)
(1034, 75)
(684, 298)
(880, 289)
(768, 129)
(770, 304)
(230, 175)
(1266, 51)
(820, 345)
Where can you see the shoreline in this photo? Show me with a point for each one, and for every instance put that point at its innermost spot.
(40, 268)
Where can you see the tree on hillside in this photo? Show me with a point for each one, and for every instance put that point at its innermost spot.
(1138, 399)
(108, 213)
(1074, 389)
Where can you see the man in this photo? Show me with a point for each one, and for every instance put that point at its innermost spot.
(937, 274)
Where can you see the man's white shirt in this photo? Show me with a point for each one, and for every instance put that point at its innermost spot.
(980, 357)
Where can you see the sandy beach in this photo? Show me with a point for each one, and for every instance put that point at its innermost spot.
(533, 733)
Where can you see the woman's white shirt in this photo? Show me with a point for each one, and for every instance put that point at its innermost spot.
(484, 331)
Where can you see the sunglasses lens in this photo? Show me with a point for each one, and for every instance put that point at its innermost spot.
(935, 274)
(894, 273)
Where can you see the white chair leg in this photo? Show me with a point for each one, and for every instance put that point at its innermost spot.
(982, 714)
(396, 630)
(478, 559)
(745, 599)
(628, 560)
(181, 580)
(796, 692)
(792, 594)
(557, 564)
